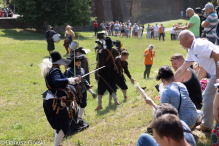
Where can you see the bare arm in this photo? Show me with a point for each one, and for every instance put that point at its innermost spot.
(146, 54)
(182, 69)
(184, 27)
(205, 24)
(215, 56)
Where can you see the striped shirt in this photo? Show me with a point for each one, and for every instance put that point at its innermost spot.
(213, 20)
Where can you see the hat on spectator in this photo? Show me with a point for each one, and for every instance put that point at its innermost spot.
(198, 10)
(177, 56)
(208, 5)
(50, 26)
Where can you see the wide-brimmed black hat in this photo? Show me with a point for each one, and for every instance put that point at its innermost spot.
(81, 50)
(57, 59)
(198, 10)
(109, 42)
(76, 59)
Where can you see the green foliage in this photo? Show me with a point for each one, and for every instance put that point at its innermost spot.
(54, 12)
(214, 2)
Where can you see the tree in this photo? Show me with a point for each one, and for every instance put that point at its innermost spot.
(54, 12)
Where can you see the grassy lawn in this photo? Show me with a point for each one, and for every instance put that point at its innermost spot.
(169, 24)
(22, 85)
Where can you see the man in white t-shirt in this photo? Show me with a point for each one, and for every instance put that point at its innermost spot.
(172, 33)
(156, 27)
(207, 55)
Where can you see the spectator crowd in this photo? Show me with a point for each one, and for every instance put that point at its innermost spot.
(6, 12)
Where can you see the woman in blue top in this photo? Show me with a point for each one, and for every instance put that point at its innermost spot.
(56, 113)
(177, 95)
(81, 88)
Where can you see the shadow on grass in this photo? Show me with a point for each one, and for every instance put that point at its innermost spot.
(22, 34)
(107, 109)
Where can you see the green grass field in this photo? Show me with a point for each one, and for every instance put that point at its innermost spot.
(22, 85)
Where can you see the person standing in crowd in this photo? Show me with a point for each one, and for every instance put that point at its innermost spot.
(210, 24)
(5, 13)
(189, 79)
(57, 115)
(127, 29)
(107, 75)
(205, 53)
(142, 30)
(149, 55)
(194, 23)
(198, 11)
(148, 29)
(68, 39)
(181, 14)
(217, 12)
(156, 28)
(1, 13)
(122, 30)
(95, 28)
(10, 13)
(122, 64)
(139, 31)
(103, 26)
(116, 28)
(49, 39)
(172, 33)
(161, 32)
(166, 108)
(152, 31)
(112, 28)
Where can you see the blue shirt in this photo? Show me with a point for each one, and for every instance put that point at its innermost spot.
(171, 95)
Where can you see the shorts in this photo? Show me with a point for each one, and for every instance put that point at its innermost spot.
(155, 33)
(116, 30)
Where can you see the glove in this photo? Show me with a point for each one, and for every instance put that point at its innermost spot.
(71, 80)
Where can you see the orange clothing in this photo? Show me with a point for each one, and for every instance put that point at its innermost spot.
(161, 29)
(148, 59)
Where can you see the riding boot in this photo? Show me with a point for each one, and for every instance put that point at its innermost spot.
(99, 103)
(58, 138)
(110, 99)
(81, 111)
(115, 99)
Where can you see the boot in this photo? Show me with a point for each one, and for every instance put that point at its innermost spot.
(99, 103)
(81, 111)
(110, 99)
(115, 98)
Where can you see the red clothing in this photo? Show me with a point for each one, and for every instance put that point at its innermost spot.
(95, 25)
(1, 13)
